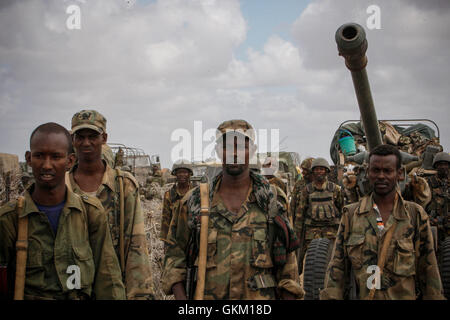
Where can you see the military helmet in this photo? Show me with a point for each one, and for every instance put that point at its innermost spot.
(320, 162)
(182, 164)
(306, 164)
(441, 156)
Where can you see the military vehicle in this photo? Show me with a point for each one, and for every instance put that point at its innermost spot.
(10, 173)
(288, 162)
(139, 163)
(416, 140)
(205, 171)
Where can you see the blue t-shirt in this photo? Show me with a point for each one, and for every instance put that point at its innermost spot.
(53, 213)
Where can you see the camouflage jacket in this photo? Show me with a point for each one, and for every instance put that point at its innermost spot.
(302, 220)
(171, 197)
(410, 270)
(240, 259)
(279, 183)
(83, 239)
(295, 196)
(137, 274)
(439, 207)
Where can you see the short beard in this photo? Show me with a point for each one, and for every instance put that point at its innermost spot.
(320, 179)
(442, 173)
(234, 171)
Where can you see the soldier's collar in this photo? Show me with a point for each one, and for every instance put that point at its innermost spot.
(109, 176)
(72, 201)
(399, 210)
(322, 186)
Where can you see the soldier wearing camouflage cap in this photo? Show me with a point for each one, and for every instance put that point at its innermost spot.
(383, 230)
(319, 207)
(93, 176)
(182, 169)
(439, 206)
(247, 255)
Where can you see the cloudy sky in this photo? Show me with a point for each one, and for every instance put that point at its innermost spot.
(152, 67)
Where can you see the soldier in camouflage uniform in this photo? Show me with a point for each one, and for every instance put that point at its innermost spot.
(250, 243)
(410, 270)
(64, 229)
(93, 176)
(183, 171)
(319, 208)
(439, 207)
(306, 175)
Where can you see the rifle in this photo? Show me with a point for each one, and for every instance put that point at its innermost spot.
(191, 269)
(203, 249)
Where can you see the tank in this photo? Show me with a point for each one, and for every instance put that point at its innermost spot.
(352, 45)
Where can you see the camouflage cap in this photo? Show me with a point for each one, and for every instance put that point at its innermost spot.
(238, 126)
(88, 119)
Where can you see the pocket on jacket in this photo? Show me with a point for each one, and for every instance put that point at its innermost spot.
(355, 247)
(260, 249)
(404, 260)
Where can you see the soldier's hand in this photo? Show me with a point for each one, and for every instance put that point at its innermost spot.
(179, 291)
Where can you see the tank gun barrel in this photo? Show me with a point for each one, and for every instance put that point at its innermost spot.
(352, 45)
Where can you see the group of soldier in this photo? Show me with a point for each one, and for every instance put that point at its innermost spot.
(387, 228)
(78, 232)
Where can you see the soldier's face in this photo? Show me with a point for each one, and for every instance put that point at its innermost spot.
(49, 159)
(383, 174)
(88, 144)
(235, 154)
(182, 175)
(442, 169)
(319, 174)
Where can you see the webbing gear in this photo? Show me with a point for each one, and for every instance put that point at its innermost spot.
(121, 221)
(321, 206)
(21, 251)
(383, 254)
(204, 222)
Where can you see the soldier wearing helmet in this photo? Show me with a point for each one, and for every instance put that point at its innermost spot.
(319, 207)
(439, 207)
(182, 169)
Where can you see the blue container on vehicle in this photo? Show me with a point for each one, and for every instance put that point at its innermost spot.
(347, 142)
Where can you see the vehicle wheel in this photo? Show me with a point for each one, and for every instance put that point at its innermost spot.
(445, 266)
(318, 255)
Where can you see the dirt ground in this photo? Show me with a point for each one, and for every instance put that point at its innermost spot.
(152, 212)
